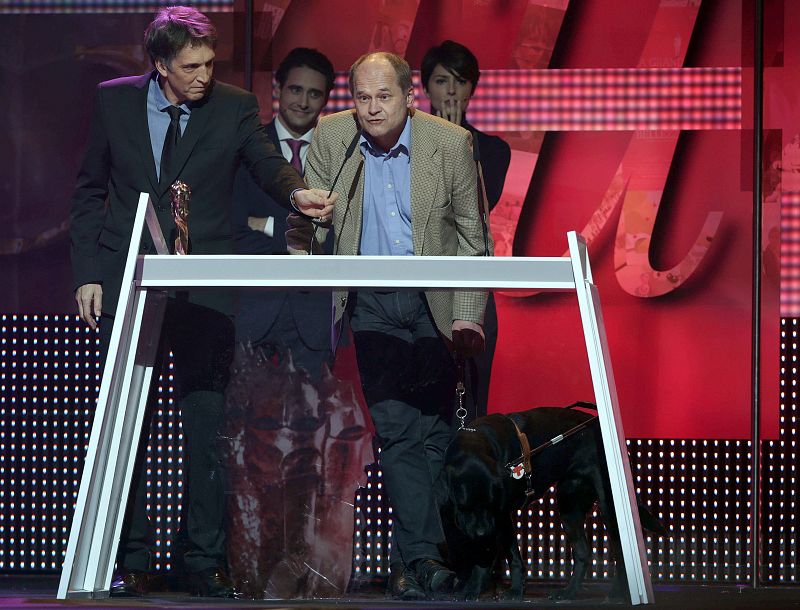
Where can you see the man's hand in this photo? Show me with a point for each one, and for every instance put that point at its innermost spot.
(256, 224)
(90, 303)
(468, 339)
(315, 203)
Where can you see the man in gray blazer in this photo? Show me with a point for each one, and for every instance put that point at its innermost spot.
(407, 187)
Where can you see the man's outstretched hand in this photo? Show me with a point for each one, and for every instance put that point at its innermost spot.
(315, 203)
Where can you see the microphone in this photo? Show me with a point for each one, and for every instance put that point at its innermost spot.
(476, 149)
(482, 199)
(347, 154)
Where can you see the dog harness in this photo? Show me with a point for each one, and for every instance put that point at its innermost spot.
(522, 466)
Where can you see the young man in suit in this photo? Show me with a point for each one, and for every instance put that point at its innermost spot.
(410, 188)
(175, 123)
(283, 322)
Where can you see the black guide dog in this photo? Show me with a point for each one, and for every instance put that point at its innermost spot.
(481, 496)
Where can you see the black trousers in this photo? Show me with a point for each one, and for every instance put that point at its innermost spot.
(408, 378)
(284, 336)
(202, 343)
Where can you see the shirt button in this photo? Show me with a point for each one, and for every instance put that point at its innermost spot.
(388, 186)
(393, 214)
(397, 241)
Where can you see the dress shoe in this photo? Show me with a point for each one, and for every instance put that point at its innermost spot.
(434, 577)
(211, 582)
(403, 584)
(129, 583)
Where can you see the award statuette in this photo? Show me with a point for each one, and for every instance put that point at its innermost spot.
(180, 194)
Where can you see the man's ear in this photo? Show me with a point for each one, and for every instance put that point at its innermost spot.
(410, 98)
(161, 67)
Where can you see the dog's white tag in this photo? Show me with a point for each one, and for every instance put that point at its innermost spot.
(518, 471)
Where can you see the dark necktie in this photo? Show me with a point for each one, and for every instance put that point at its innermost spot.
(295, 161)
(170, 140)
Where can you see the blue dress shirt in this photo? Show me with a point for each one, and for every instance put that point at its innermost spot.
(386, 220)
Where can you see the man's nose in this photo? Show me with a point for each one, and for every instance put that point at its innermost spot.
(374, 106)
(304, 101)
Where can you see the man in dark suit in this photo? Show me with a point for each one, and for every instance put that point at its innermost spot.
(148, 131)
(283, 322)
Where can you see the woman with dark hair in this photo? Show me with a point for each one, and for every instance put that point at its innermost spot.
(449, 76)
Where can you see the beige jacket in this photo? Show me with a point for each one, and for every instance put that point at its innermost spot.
(445, 219)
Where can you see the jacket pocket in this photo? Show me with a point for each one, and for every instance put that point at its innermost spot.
(112, 241)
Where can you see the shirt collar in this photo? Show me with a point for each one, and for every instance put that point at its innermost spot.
(162, 103)
(403, 144)
(283, 133)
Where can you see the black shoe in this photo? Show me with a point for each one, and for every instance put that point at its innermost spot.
(434, 577)
(211, 582)
(129, 583)
(403, 584)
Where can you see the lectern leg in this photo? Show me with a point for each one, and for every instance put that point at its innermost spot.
(108, 468)
(630, 530)
(634, 554)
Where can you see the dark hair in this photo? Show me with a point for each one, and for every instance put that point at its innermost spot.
(455, 58)
(300, 57)
(400, 65)
(175, 27)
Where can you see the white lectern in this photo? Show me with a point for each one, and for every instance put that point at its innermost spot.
(107, 473)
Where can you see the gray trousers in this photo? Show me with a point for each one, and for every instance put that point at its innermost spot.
(408, 379)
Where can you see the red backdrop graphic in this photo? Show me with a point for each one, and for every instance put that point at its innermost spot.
(628, 121)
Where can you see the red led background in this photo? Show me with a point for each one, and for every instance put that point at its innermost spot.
(631, 122)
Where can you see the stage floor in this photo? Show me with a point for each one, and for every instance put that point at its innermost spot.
(38, 592)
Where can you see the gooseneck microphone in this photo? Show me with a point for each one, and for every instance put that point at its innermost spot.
(482, 199)
(347, 154)
(476, 149)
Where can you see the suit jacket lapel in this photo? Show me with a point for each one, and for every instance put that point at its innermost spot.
(272, 134)
(424, 181)
(141, 131)
(198, 120)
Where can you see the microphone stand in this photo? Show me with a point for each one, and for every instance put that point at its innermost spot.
(483, 200)
(348, 153)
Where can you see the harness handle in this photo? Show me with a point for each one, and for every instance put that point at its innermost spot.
(526, 454)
